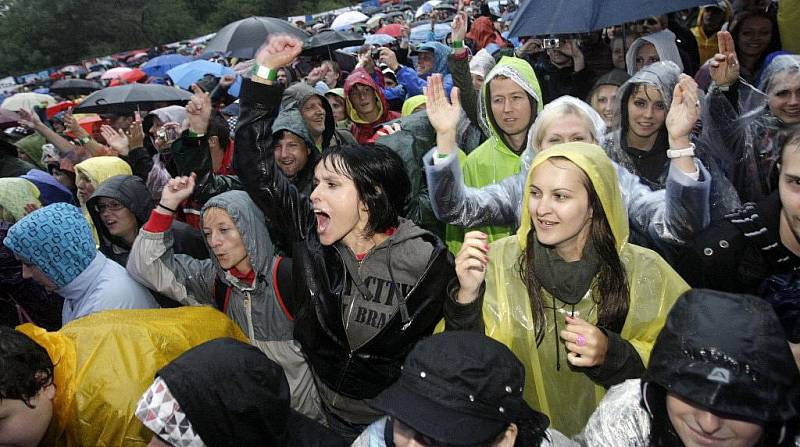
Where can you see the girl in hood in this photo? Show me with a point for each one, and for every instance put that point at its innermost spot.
(89, 174)
(652, 48)
(366, 106)
(576, 302)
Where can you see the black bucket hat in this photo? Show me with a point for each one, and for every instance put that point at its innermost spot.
(726, 353)
(460, 388)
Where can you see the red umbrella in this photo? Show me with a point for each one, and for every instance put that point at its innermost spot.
(132, 76)
(394, 30)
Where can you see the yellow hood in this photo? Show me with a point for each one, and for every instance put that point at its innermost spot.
(98, 169)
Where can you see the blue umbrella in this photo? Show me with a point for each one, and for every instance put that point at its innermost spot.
(379, 39)
(545, 17)
(185, 75)
(158, 66)
(422, 33)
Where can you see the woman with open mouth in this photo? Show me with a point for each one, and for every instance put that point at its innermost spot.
(367, 283)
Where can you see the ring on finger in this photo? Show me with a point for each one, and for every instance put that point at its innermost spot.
(580, 341)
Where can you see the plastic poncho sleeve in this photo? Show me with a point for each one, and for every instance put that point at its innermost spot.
(153, 262)
(105, 361)
(620, 420)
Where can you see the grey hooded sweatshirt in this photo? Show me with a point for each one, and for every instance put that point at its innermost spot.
(257, 308)
(667, 49)
(297, 95)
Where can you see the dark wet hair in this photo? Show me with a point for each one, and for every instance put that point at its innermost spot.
(380, 179)
(25, 367)
(218, 127)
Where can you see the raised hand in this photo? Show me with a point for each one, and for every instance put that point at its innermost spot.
(387, 130)
(198, 110)
(459, 26)
(683, 112)
(73, 125)
(316, 75)
(227, 80)
(586, 344)
(442, 114)
(389, 58)
(471, 265)
(176, 191)
(136, 136)
(29, 119)
(279, 51)
(116, 139)
(724, 67)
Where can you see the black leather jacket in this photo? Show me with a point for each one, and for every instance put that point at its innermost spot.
(319, 273)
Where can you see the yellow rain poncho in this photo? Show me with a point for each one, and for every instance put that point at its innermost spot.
(15, 193)
(568, 397)
(104, 362)
(98, 170)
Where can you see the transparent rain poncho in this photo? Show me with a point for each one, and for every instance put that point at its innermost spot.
(745, 137)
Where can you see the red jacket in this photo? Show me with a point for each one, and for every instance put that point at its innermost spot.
(363, 131)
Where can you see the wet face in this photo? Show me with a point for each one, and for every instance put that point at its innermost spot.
(713, 18)
(23, 426)
(511, 106)
(559, 208)
(754, 36)
(603, 100)
(85, 187)
(341, 215)
(337, 104)
(314, 115)
(224, 240)
(389, 82)
(646, 112)
(365, 102)
(558, 58)
(477, 82)
(282, 78)
(646, 55)
(291, 154)
(567, 128)
(30, 271)
(789, 190)
(118, 219)
(698, 428)
(426, 60)
(653, 25)
(619, 47)
(784, 97)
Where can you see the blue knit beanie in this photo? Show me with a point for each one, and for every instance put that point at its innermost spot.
(56, 239)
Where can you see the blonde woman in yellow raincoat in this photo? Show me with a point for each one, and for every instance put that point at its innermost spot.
(578, 304)
(90, 173)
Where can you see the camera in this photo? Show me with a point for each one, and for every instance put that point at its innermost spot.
(168, 133)
(550, 42)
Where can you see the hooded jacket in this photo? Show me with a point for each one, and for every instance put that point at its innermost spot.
(494, 160)
(257, 308)
(103, 363)
(291, 120)
(667, 50)
(350, 366)
(32, 147)
(50, 189)
(296, 96)
(131, 192)
(414, 83)
(57, 240)
(482, 32)
(568, 395)
(363, 131)
(97, 170)
(15, 194)
(708, 46)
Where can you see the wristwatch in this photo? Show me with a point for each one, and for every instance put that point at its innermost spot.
(678, 153)
(84, 140)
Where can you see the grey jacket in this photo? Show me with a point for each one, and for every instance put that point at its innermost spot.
(256, 308)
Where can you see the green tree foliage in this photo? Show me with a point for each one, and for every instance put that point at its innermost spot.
(36, 34)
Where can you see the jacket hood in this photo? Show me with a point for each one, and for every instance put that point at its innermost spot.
(440, 53)
(132, 193)
(291, 120)
(360, 76)
(481, 63)
(667, 49)
(727, 353)
(661, 75)
(15, 193)
(412, 103)
(598, 167)
(296, 96)
(521, 72)
(250, 222)
(56, 239)
(99, 169)
(50, 189)
(482, 32)
(170, 114)
(32, 147)
(726, 7)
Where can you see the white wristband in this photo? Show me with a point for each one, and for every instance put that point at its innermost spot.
(678, 153)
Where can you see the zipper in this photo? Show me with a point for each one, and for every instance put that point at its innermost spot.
(249, 315)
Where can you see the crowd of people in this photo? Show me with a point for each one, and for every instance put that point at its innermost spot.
(475, 240)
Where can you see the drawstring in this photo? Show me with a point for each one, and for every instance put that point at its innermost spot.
(557, 343)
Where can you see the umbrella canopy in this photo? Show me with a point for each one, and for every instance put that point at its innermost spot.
(379, 39)
(72, 69)
(132, 76)
(27, 101)
(74, 87)
(130, 97)
(94, 75)
(545, 17)
(426, 8)
(244, 37)
(394, 30)
(329, 40)
(8, 119)
(114, 73)
(375, 19)
(422, 33)
(185, 75)
(347, 19)
(158, 66)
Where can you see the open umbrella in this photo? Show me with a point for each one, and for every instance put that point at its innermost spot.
(132, 76)
(94, 75)
(545, 17)
(347, 19)
(244, 37)
(185, 75)
(426, 8)
(375, 19)
(393, 29)
(130, 97)
(422, 33)
(74, 87)
(114, 73)
(27, 101)
(379, 39)
(158, 66)
(329, 40)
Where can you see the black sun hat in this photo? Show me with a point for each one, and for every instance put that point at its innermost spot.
(460, 388)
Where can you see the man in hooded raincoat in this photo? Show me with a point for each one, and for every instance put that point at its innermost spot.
(432, 58)
(366, 106)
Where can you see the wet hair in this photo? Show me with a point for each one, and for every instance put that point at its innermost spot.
(613, 298)
(380, 179)
(551, 115)
(218, 127)
(25, 367)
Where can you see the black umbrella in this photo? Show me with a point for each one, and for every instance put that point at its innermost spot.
(74, 87)
(128, 98)
(244, 37)
(329, 40)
